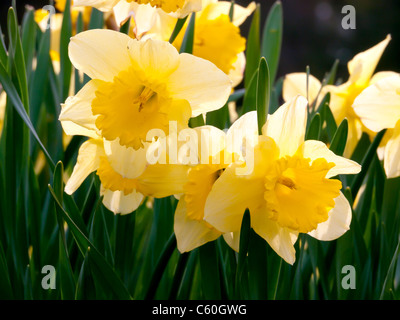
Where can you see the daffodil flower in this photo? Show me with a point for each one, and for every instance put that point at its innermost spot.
(224, 48)
(289, 191)
(361, 75)
(378, 108)
(137, 86)
(124, 174)
(176, 8)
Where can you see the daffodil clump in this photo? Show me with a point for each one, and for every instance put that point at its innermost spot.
(136, 160)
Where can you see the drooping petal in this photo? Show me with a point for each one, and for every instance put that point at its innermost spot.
(316, 149)
(280, 239)
(87, 162)
(287, 126)
(126, 161)
(378, 105)
(296, 84)
(338, 221)
(119, 202)
(392, 154)
(199, 82)
(160, 180)
(237, 71)
(191, 233)
(363, 65)
(230, 196)
(122, 11)
(101, 54)
(76, 113)
(232, 239)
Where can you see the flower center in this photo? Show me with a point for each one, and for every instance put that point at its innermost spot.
(112, 180)
(127, 110)
(167, 5)
(201, 178)
(222, 47)
(298, 194)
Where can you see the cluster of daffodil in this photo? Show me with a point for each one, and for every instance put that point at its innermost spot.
(140, 83)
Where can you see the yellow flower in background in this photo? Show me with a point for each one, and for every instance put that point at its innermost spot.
(378, 108)
(137, 86)
(124, 174)
(361, 75)
(176, 8)
(216, 38)
(289, 191)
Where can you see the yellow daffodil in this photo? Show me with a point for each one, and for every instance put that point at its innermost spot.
(124, 174)
(289, 191)
(212, 156)
(176, 8)
(137, 86)
(378, 108)
(224, 48)
(361, 75)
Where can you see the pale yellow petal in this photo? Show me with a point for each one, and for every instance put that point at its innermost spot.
(155, 58)
(102, 5)
(123, 10)
(392, 154)
(76, 113)
(88, 161)
(316, 149)
(230, 196)
(119, 202)
(381, 75)
(199, 82)
(280, 239)
(101, 54)
(363, 65)
(237, 71)
(232, 239)
(338, 222)
(190, 233)
(126, 161)
(243, 131)
(296, 84)
(378, 105)
(353, 137)
(189, 7)
(287, 126)
(161, 180)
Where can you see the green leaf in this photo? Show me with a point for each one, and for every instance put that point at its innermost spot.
(211, 281)
(65, 63)
(314, 129)
(177, 29)
(250, 96)
(188, 38)
(262, 93)
(272, 38)
(253, 48)
(258, 267)
(356, 184)
(241, 280)
(160, 266)
(339, 140)
(106, 273)
(19, 107)
(388, 285)
(6, 291)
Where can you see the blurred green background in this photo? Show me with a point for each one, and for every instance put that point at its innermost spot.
(313, 34)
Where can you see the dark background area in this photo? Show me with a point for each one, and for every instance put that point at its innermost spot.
(313, 34)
